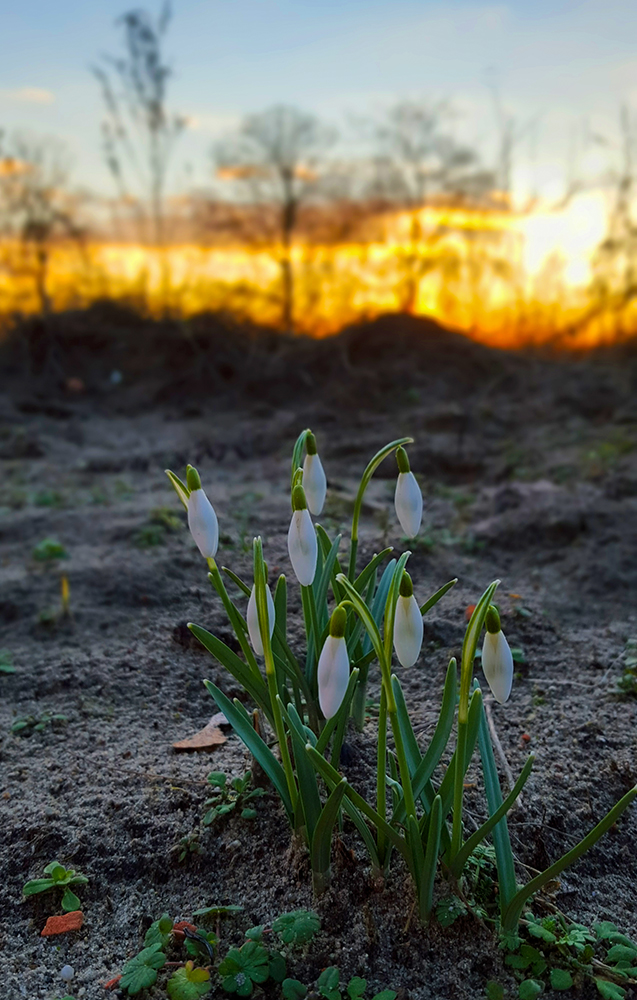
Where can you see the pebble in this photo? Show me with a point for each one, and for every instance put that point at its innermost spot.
(67, 973)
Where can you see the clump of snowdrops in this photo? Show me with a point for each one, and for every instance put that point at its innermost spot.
(357, 617)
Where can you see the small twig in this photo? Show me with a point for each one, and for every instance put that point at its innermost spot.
(498, 746)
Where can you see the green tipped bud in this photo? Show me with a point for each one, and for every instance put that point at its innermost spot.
(338, 622)
(406, 586)
(310, 443)
(403, 460)
(193, 481)
(298, 498)
(492, 620)
(298, 478)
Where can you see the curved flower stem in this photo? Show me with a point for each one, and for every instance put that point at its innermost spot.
(311, 630)
(270, 670)
(234, 616)
(381, 770)
(358, 503)
(469, 646)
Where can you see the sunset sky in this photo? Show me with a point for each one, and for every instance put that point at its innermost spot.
(562, 69)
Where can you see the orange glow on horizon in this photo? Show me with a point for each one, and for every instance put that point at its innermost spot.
(501, 277)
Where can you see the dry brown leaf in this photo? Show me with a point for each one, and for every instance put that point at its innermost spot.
(219, 720)
(206, 739)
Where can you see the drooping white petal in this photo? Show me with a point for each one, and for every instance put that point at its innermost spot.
(408, 501)
(497, 665)
(314, 483)
(302, 547)
(408, 630)
(252, 619)
(332, 675)
(203, 524)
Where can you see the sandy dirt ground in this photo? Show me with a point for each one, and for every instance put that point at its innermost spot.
(529, 473)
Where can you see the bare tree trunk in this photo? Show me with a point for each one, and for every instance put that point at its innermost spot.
(42, 263)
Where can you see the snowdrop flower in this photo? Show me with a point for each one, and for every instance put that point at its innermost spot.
(202, 519)
(67, 972)
(408, 624)
(408, 498)
(314, 481)
(497, 659)
(333, 666)
(252, 619)
(302, 545)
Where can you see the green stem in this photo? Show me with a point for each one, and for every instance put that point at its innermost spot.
(458, 790)
(358, 503)
(381, 772)
(270, 671)
(234, 616)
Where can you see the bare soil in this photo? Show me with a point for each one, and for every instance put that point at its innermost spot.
(529, 470)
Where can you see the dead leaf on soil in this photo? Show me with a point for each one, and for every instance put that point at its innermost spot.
(207, 738)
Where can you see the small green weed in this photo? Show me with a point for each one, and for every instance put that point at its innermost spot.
(560, 954)
(6, 662)
(26, 725)
(161, 521)
(49, 498)
(56, 876)
(48, 550)
(188, 846)
(230, 794)
(627, 683)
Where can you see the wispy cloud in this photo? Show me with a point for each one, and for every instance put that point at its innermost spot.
(27, 95)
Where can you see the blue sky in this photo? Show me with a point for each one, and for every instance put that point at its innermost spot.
(564, 65)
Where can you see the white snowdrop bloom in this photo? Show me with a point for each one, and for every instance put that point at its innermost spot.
(314, 481)
(408, 498)
(252, 619)
(497, 659)
(203, 523)
(408, 625)
(302, 544)
(333, 666)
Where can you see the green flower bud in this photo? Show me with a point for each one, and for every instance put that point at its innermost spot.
(298, 498)
(193, 481)
(406, 586)
(403, 460)
(492, 620)
(338, 622)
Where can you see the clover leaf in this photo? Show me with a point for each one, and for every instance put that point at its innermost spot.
(328, 983)
(293, 989)
(561, 979)
(159, 932)
(188, 983)
(141, 971)
(297, 927)
(242, 967)
(356, 988)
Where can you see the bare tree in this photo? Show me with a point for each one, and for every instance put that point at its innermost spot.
(138, 131)
(35, 204)
(614, 285)
(276, 160)
(418, 162)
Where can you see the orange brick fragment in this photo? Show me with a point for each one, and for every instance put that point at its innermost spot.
(62, 925)
(112, 983)
(469, 611)
(178, 929)
(526, 737)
